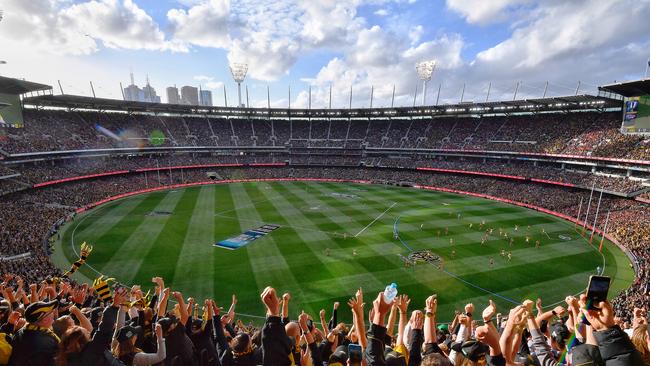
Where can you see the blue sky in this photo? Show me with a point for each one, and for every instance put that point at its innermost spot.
(302, 43)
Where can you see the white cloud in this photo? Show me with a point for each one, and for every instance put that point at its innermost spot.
(566, 29)
(202, 78)
(482, 11)
(415, 33)
(563, 42)
(58, 27)
(204, 24)
(214, 85)
(381, 60)
(208, 82)
(381, 12)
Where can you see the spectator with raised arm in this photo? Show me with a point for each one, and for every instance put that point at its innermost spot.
(614, 345)
(276, 347)
(130, 355)
(79, 349)
(374, 352)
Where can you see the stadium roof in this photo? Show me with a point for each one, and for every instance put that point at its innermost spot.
(17, 86)
(629, 88)
(568, 103)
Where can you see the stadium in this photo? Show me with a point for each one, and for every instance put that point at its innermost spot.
(171, 212)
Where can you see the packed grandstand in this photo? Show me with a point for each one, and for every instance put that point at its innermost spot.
(62, 162)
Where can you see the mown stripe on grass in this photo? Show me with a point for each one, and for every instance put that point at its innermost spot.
(233, 269)
(281, 278)
(195, 259)
(131, 255)
(161, 258)
(89, 226)
(374, 263)
(112, 239)
(99, 221)
(281, 211)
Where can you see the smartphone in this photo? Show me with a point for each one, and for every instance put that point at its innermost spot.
(354, 354)
(597, 291)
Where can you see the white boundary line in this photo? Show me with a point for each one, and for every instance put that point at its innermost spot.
(373, 221)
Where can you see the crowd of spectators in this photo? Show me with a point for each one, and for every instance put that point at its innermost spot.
(34, 173)
(61, 322)
(586, 133)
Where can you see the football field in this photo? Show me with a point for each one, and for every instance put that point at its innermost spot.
(333, 238)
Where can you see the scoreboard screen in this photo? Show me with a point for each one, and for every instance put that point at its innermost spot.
(11, 113)
(636, 115)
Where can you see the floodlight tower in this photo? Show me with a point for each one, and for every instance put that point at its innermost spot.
(425, 71)
(238, 71)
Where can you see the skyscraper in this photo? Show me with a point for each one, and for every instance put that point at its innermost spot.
(150, 93)
(206, 98)
(172, 95)
(190, 95)
(146, 94)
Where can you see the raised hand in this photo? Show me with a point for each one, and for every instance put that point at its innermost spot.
(601, 319)
(79, 296)
(639, 317)
(431, 304)
(559, 310)
(528, 305)
(571, 302)
(489, 311)
(159, 282)
(469, 308)
(120, 296)
(234, 299)
(355, 305)
(302, 321)
(380, 305)
(321, 313)
(158, 331)
(13, 318)
(402, 302)
(271, 301)
(216, 309)
(178, 296)
(517, 316)
(336, 305)
(286, 296)
(417, 320)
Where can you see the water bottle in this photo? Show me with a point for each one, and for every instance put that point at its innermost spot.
(390, 292)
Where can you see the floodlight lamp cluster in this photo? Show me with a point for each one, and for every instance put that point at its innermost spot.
(238, 71)
(425, 69)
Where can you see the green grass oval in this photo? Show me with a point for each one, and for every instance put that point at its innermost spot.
(171, 234)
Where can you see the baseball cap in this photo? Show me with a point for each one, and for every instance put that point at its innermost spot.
(473, 350)
(340, 356)
(395, 358)
(166, 323)
(38, 310)
(560, 334)
(127, 332)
